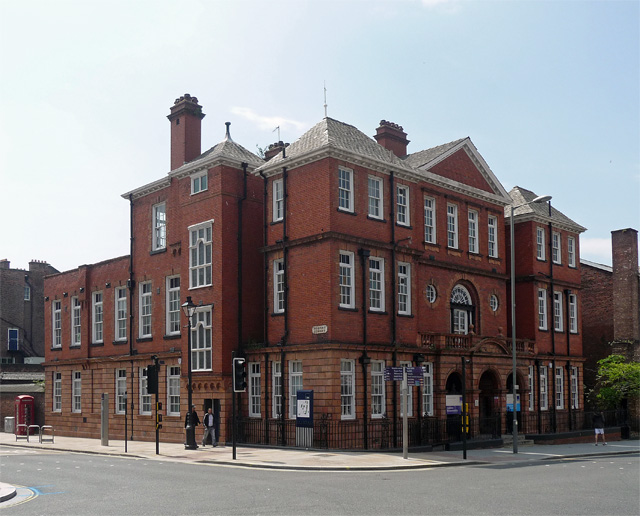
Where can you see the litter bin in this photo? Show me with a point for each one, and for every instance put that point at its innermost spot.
(9, 424)
(625, 432)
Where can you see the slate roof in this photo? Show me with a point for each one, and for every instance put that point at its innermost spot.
(540, 210)
(228, 149)
(330, 133)
(417, 159)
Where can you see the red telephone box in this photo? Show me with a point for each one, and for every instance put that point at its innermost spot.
(25, 413)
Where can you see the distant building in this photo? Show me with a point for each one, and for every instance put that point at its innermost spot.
(22, 334)
(611, 311)
(340, 256)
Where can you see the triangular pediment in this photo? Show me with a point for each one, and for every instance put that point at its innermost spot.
(458, 163)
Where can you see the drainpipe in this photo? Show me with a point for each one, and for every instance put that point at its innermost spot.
(364, 359)
(539, 395)
(266, 397)
(285, 253)
(131, 295)
(553, 329)
(265, 262)
(568, 293)
(240, 235)
(394, 317)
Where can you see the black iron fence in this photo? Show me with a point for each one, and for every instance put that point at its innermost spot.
(380, 434)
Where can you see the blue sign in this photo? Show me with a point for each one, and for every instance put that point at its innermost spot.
(454, 404)
(510, 402)
(304, 409)
(393, 374)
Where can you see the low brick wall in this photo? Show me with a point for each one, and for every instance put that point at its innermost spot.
(581, 436)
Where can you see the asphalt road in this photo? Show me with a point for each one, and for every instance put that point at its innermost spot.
(75, 484)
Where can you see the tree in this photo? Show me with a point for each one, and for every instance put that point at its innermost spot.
(617, 379)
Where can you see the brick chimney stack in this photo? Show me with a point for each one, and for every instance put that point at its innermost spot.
(274, 149)
(186, 118)
(392, 137)
(626, 283)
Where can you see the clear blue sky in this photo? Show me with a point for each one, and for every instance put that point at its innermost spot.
(548, 91)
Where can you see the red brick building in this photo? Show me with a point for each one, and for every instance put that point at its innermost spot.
(611, 311)
(338, 257)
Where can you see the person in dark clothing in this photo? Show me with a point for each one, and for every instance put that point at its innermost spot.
(598, 425)
(208, 421)
(195, 420)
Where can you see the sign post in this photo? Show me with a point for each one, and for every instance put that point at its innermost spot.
(409, 376)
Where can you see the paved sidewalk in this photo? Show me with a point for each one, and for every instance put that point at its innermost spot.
(318, 460)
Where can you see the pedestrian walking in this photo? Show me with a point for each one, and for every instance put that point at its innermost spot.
(195, 420)
(598, 425)
(209, 430)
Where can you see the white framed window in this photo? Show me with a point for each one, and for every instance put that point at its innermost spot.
(201, 340)
(573, 313)
(452, 226)
(56, 326)
(427, 391)
(199, 182)
(76, 392)
(571, 251)
(278, 200)
(159, 230)
(544, 392)
(76, 322)
(376, 284)
(278, 286)
(145, 309)
(376, 203)
(461, 316)
(97, 327)
(574, 388)
(121, 313)
(345, 189)
(276, 388)
(145, 397)
(556, 248)
(532, 391)
(494, 303)
(347, 287)
(473, 231)
(429, 220)
(121, 391)
(559, 388)
(432, 293)
(404, 364)
(492, 236)
(57, 391)
(402, 206)
(27, 293)
(540, 254)
(173, 305)
(404, 288)
(558, 323)
(254, 389)
(542, 309)
(295, 384)
(200, 251)
(378, 406)
(347, 389)
(173, 390)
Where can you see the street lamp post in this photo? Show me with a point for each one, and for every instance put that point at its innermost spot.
(189, 309)
(541, 198)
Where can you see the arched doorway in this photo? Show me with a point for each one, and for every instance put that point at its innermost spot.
(462, 310)
(489, 404)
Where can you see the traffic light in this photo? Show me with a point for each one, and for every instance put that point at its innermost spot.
(239, 375)
(152, 379)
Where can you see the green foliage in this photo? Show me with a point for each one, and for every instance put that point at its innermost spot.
(617, 379)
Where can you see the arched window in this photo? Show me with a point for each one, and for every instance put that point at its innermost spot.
(462, 310)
